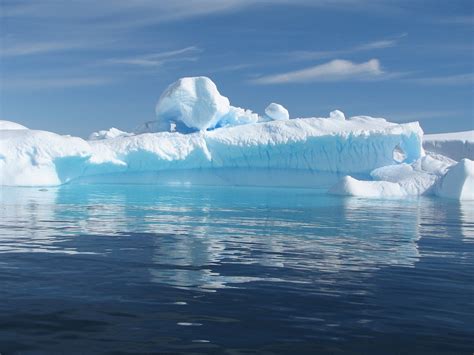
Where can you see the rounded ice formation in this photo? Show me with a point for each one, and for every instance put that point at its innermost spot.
(193, 102)
(9, 125)
(458, 182)
(337, 115)
(277, 112)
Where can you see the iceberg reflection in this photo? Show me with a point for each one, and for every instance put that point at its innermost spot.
(210, 238)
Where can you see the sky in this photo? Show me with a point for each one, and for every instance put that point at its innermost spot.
(78, 66)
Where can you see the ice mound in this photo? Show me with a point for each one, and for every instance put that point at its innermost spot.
(456, 145)
(348, 186)
(277, 112)
(108, 134)
(8, 125)
(194, 104)
(39, 158)
(429, 175)
(337, 115)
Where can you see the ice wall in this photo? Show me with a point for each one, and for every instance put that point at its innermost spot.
(354, 146)
(456, 145)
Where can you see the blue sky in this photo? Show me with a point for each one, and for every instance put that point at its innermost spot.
(78, 66)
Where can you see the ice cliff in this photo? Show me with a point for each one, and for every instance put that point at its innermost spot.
(197, 130)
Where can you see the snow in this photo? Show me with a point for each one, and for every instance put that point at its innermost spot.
(8, 125)
(277, 112)
(337, 115)
(456, 145)
(107, 134)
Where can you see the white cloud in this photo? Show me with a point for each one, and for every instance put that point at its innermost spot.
(374, 45)
(385, 43)
(335, 70)
(29, 48)
(158, 59)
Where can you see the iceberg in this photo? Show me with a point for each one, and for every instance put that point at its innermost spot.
(357, 145)
(456, 145)
(198, 133)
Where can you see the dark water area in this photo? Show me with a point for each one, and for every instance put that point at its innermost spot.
(185, 269)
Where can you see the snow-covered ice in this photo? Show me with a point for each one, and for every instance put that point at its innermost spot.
(458, 182)
(337, 115)
(384, 159)
(277, 112)
(8, 125)
(358, 146)
(193, 104)
(107, 134)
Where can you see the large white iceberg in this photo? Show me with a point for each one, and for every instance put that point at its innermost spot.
(357, 146)
(227, 143)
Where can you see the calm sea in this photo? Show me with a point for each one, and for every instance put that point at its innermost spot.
(236, 270)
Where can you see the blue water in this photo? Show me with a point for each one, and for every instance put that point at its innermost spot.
(141, 269)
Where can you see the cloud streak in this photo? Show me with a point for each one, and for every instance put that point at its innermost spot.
(335, 70)
(374, 45)
(158, 59)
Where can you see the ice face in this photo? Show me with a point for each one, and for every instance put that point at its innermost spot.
(357, 145)
(458, 183)
(277, 112)
(456, 145)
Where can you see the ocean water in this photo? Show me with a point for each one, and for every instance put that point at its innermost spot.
(236, 270)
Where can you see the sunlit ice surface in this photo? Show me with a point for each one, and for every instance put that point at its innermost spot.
(210, 269)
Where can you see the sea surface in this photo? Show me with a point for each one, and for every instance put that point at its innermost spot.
(234, 270)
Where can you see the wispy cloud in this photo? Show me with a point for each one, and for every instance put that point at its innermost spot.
(158, 59)
(458, 79)
(30, 48)
(374, 45)
(39, 83)
(335, 70)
